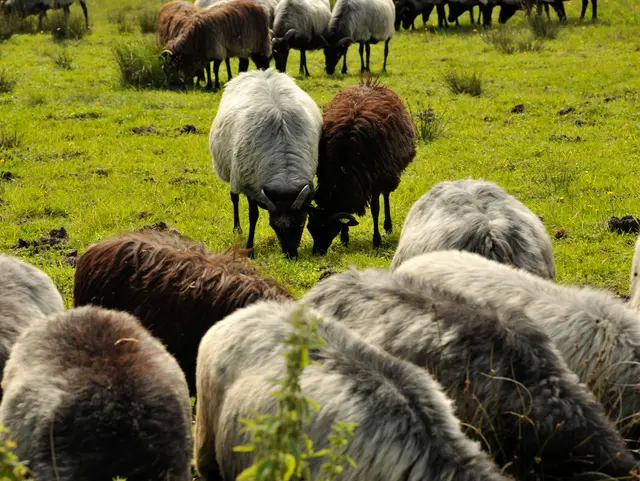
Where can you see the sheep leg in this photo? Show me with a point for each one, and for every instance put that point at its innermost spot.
(361, 50)
(344, 235)
(368, 50)
(344, 64)
(594, 9)
(43, 13)
(67, 12)
(235, 198)
(228, 64)
(375, 212)
(585, 3)
(303, 63)
(216, 71)
(254, 213)
(386, 54)
(243, 65)
(86, 13)
(388, 225)
(471, 15)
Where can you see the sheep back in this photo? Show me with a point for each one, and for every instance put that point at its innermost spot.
(174, 286)
(309, 18)
(596, 334)
(367, 141)
(509, 384)
(480, 217)
(362, 20)
(94, 389)
(171, 19)
(406, 427)
(265, 135)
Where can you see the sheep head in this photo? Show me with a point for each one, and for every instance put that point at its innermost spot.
(334, 51)
(325, 226)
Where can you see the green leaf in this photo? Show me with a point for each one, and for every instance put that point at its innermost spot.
(244, 448)
(290, 464)
(248, 474)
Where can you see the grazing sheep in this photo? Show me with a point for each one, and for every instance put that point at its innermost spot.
(408, 10)
(26, 295)
(597, 335)
(299, 24)
(480, 217)
(634, 293)
(91, 395)
(406, 428)
(458, 7)
(264, 142)
(368, 139)
(174, 286)
(40, 7)
(362, 21)
(509, 7)
(237, 29)
(509, 384)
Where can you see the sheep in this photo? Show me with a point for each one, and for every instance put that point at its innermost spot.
(458, 7)
(597, 335)
(510, 386)
(477, 216)
(299, 24)
(174, 286)
(40, 7)
(634, 292)
(408, 10)
(268, 6)
(237, 29)
(368, 139)
(406, 428)
(362, 21)
(170, 20)
(26, 295)
(90, 394)
(509, 7)
(264, 143)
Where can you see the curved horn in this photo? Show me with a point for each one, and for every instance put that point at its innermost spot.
(302, 196)
(166, 53)
(270, 205)
(345, 40)
(291, 33)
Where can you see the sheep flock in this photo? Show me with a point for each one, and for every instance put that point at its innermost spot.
(462, 359)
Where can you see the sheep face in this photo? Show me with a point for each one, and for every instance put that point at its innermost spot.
(325, 227)
(280, 49)
(333, 52)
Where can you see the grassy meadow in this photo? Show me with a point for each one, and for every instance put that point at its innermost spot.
(80, 150)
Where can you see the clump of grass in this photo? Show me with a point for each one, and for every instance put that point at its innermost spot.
(7, 82)
(147, 21)
(63, 59)
(429, 124)
(543, 28)
(11, 468)
(509, 42)
(67, 28)
(33, 100)
(139, 63)
(275, 439)
(9, 139)
(464, 83)
(120, 19)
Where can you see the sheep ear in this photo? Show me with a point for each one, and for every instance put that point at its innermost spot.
(344, 218)
(345, 42)
(290, 34)
(302, 196)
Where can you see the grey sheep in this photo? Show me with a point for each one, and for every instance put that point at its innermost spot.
(510, 386)
(476, 216)
(597, 335)
(634, 292)
(299, 24)
(40, 7)
(406, 428)
(264, 142)
(26, 295)
(91, 395)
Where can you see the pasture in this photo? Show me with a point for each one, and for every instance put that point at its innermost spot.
(81, 151)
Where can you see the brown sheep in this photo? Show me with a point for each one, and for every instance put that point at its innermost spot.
(368, 139)
(238, 29)
(174, 286)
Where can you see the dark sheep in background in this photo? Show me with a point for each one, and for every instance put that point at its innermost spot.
(509, 7)
(406, 429)
(368, 139)
(477, 216)
(40, 7)
(91, 395)
(510, 386)
(174, 286)
(26, 295)
(408, 10)
(237, 29)
(458, 7)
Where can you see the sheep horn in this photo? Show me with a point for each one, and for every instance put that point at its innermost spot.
(291, 33)
(345, 40)
(270, 205)
(302, 196)
(166, 53)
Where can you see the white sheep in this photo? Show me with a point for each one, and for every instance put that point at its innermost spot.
(477, 216)
(597, 335)
(91, 395)
(264, 142)
(40, 7)
(26, 295)
(406, 429)
(299, 24)
(364, 21)
(510, 385)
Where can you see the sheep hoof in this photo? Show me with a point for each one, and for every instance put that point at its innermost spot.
(237, 230)
(388, 228)
(252, 254)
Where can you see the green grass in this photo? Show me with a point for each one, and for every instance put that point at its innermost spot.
(74, 124)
